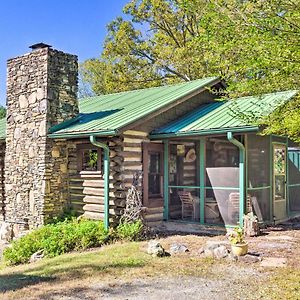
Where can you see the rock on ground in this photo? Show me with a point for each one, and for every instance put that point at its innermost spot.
(155, 249)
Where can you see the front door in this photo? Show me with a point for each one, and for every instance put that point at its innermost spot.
(279, 182)
(153, 174)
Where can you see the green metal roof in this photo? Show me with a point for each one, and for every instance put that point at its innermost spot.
(2, 128)
(105, 114)
(224, 116)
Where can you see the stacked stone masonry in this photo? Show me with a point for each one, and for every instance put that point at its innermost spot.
(41, 92)
(2, 190)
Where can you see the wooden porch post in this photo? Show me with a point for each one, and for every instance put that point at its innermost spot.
(202, 178)
(166, 180)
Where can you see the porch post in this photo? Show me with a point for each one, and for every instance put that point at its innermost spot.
(166, 180)
(287, 179)
(202, 178)
(241, 175)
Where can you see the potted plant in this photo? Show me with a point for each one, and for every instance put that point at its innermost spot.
(239, 246)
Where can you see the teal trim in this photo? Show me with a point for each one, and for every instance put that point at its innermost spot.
(287, 176)
(279, 136)
(221, 188)
(259, 188)
(271, 183)
(166, 180)
(205, 187)
(184, 186)
(106, 177)
(203, 132)
(278, 143)
(74, 135)
(241, 176)
(202, 179)
(294, 185)
(246, 163)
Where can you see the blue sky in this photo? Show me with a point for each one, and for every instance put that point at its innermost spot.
(74, 26)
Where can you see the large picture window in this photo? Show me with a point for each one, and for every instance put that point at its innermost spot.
(88, 159)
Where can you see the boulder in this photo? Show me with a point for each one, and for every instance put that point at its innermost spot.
(36, 256)
(249, 259)
(178, 248)
(155, 249)
(215, 249)
(220, 252)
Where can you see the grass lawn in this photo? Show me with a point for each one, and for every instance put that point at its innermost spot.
(70, 274)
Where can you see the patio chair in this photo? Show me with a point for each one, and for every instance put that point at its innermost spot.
(188, 206)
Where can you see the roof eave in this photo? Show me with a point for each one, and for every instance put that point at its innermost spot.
(160, 136)
(86, 134)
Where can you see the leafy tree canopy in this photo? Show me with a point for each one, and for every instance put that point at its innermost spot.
(252, 44)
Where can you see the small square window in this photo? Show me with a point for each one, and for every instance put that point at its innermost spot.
(89, 159)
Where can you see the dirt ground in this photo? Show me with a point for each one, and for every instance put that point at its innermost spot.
(187, 275)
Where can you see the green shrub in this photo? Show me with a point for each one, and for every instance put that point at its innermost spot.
(62, 237)
(130, 231)
(56, 239)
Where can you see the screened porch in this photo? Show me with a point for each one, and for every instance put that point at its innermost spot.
(203, 181)
(215, 180)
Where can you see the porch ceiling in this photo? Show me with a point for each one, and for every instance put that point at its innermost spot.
(223, 116)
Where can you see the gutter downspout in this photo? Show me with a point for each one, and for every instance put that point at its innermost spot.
(241, 175)
(106, 177)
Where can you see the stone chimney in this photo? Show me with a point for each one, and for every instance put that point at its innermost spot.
(41, 92)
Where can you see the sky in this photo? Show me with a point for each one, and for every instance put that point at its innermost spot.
(73, 26)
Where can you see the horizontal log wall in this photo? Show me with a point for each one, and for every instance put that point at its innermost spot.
(133, 162)
(86, 189)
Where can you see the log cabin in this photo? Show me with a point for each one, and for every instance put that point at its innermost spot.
(201, 161)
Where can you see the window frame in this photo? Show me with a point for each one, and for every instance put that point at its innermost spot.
(80, 149)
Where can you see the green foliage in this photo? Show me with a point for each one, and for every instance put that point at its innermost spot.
(62, 237)
(55, 239)
(67, 214)
(253, 45)
(2, 112)
(130, 231)
(93, 159)
(236, 236)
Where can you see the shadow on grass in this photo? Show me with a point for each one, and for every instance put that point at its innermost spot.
(84, 270)
(15, 281)
(51, 272)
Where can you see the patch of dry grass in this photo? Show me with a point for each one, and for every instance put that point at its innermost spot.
(74, 273)
(125, 261)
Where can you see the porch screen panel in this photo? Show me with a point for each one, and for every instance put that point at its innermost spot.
(294, 177)
(183, 181)
(259, 176)
(222, 182)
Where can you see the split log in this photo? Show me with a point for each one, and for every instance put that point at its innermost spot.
(118, 159)
(135, 133)
(93, 215)
(93, 199)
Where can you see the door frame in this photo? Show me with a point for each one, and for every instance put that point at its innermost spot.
(149, 147)
(282, 146)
